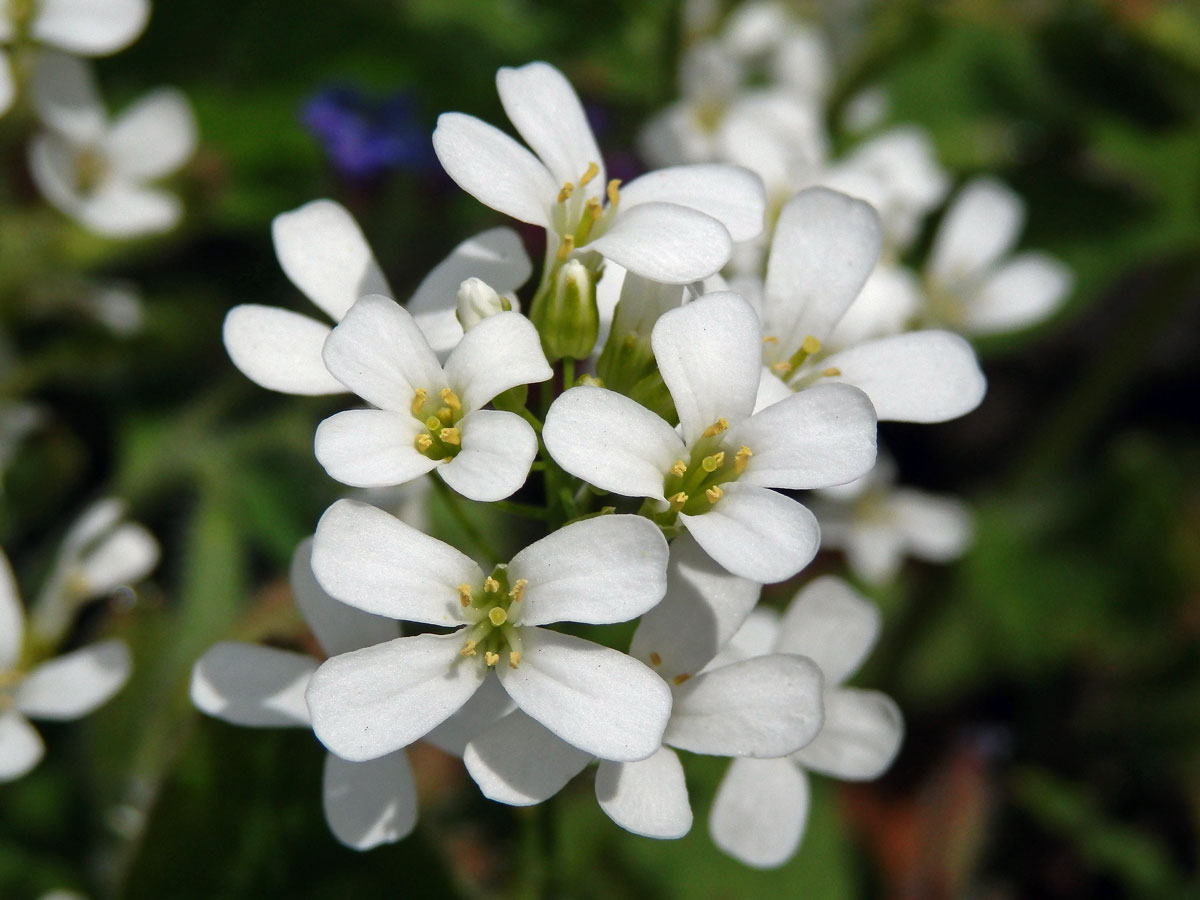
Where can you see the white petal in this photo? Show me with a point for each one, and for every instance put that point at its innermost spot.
(500, 352)
(370, 559)
(599, 570)
(756, 533)
(611, 441)
(371, 448)
(338, 628)
(820, 436)
(757, 637)
(378, 352)
(541, 103)
(687, 343)
(12, 617)
(922, 376)
(825, 246)
(90, 27)
(153, 137)
(771, 389)
(874, 551)
(124, 556)
(248, 684)
(518, 762)
(648, 797)
(832, 624)
(760, 811)
(497, 450)
(1020, 293)
(494, 169)
(981, 226)
(861, 736)
(21, 747)
(71, 686)
(369, 803)
(66, 99)
(379, 699)
(730, 194)
(601, 701)
(763, 707)
(279, 349)
(937, 529)
(665, 242)
(487, 706)
(323, 252)
(121, 209)
(703, 608)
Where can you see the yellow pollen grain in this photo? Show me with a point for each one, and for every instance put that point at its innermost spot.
(464, 594)
(770, 339)
(450, 399)
(518, 589)
(514, 658)
(681, 678)
(677, 500)
(810, 345)
(565, 248)
(592, 171)
(468, 649)
(451, 436)
(491, 585)
(832, 372)
(593, 208)
(424, 442)
(679, 469)
(419, 401)
(446, 415)
(714, 462)
(491, 658)
(433, 423)
(714, 494)
(741, 459)
(613, 192)
(655, 659)
(567, 190)
(497, 615)
(722, 424)
(781, 368)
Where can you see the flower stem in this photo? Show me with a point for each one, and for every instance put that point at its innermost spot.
(454, 505)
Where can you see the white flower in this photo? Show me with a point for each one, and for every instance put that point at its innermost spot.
(605, 569)
(82, 27)
(323, 252)
(761, 807)
(674, 225)
(974, 285)
(366, 803)
(60, 689)
(429, 417)
(99, 172)
(716, 472)
(825, 246)
(876, 524)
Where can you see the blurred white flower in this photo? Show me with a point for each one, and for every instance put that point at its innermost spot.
(98, 171)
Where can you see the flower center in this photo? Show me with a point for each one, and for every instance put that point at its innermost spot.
(441, 439)
(91, 169)
(578, 217)
(798, 370)
(493, 611)
(9, 679)
(693, 486)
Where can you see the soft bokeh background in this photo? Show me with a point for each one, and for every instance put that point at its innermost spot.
(1051, 680)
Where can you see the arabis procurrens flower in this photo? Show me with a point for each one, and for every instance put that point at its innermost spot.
(674, 225)
(430, 417)
(761, 807)
(715, 473)
(97, 171)
(371, 702)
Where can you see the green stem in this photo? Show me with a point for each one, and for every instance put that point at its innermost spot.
(525, 510)
(568, 369)
(454, 505)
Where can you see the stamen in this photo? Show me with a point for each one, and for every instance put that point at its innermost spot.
(681, 678)
(717, 427)
(491, 585)
(810, 345)
(592, 171)
(446, 414)
(433, 423)
(613, 192)
(714, 494)
(468, 649)
(740, 460)
(781, 368)
(677, 501)
(567, 190)
(518, 589)
(424, 442)
(419, 401)
(770, 339)
(491, 658)
(451, 436)
(514, 658)
(464, 594)
(832, 372)
(593, 208)
(655, 659)
(497, 615)
(565, 248)
(714, 462)
(679, 468)
(450, 399)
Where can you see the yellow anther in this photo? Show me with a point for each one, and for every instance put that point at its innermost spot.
(514, 658)
(679, 468)
(613, 191)
(518, 589)
(567, 190)
(445, 415)
(677, 501)
(433, 423)
(419, 401)
(655, 659)
(491, 658)
(770, 339)
(490, 585)
(424, 442)
(681, 678)
(810, 345)
(832, 372)
(451, 436)
(714, 494)
(740, 460)
(781, 368)
(450, 399)
(464, 594)
(714, 462)
(565, 248)
(468, 649)
(592, 171)
(716, 427)
(594, 208)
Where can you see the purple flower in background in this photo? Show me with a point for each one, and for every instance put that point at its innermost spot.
(364, 136)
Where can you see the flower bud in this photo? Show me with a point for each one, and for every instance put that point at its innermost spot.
(476, 301)
(566, 316)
